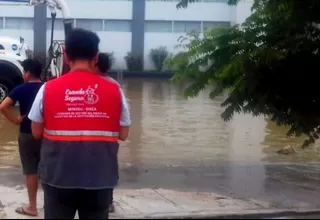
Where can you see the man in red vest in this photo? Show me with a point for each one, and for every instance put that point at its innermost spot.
(81, 117)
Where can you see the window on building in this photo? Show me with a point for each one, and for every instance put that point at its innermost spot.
(90, 24)
(1, 47)
(187, 26)
(1, 23)
(207, 25)
(158, 26)
(117, 25)
(58, 24)
(19, 23)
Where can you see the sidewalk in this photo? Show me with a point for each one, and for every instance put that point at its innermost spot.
(156, 203)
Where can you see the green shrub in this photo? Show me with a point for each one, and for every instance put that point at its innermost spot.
(158, 57)
(134, 62)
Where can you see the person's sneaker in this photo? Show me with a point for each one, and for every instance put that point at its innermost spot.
(111, 208)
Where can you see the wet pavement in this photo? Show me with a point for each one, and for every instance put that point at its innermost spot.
(183, 145)
(280, 185)
(153, 203)
(220, 190)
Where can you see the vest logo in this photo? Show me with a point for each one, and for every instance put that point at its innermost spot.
(87, 96)
(90, 97)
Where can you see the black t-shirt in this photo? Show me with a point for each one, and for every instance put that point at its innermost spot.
(25, 95)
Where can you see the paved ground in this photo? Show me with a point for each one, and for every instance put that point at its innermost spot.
(194, 190)
(149, 203)
(160, 203)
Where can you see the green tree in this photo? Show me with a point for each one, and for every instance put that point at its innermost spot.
(269, 64)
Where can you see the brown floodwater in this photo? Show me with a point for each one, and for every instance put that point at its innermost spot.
(170, 130)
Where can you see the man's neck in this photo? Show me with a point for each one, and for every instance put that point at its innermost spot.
(34, 80)
(80, 66)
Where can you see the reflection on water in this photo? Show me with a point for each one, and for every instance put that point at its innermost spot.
(169, 130)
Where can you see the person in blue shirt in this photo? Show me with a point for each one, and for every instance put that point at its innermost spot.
(29, 147)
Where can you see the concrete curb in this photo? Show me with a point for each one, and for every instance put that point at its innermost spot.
(237, 214)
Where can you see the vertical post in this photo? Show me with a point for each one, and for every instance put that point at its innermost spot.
(40, 32)
(137, 31)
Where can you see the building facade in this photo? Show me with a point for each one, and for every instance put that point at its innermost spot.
(129, 25)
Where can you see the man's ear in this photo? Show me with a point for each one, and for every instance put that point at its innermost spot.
(26, 76)
(96, 58)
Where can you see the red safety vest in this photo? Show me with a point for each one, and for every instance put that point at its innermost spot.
(81, 106)
(82, 122)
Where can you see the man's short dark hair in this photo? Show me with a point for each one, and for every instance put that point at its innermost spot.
(82, 44)
(32, 66)
(103, 62)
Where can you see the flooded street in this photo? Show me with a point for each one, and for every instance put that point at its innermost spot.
(169, 130)
(184, 144)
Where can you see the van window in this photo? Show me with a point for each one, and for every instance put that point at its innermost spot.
(1, 47)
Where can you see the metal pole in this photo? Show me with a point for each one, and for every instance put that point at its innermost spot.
(40, 32)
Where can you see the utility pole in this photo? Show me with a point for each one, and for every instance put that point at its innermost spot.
(40, 32)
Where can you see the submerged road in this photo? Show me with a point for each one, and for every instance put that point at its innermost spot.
(273, 185)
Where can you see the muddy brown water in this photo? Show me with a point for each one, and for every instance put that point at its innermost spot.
(170, 130)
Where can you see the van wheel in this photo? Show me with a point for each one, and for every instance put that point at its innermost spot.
(6, 85)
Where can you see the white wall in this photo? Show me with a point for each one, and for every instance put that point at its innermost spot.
(152, 41)
(240, 12)
(168, 13)
(194, 12)
(79, 9)
(108, 39)
(111, 21)
(213, 13)
(118, 42)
